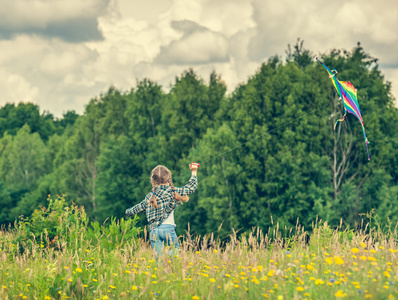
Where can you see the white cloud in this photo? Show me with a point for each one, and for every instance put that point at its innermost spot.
(38, 13)
(15, 88)
(197, 46)
(116, 42)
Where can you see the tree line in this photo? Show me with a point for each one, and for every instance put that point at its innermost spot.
(291, 166)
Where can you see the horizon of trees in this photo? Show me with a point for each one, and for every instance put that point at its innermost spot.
(294, 167)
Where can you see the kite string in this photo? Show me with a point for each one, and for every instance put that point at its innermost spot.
(287, 123)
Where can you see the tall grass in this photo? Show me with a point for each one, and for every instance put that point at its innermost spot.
(292, 263)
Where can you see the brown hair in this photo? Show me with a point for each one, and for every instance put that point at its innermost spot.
(162, 175)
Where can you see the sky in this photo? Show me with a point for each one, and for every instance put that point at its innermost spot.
(60, 54)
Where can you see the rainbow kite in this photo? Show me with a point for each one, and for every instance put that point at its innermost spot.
(348, 94)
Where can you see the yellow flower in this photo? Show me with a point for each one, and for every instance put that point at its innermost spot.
(392, 251)
(79, 270)
(381, 247)
(237, 286)
(70, 279)
(47, 298)
(95, 280)
(371, 258)
(270, 273)
(4, 287)
(153, 276)
(154, 282)
(215, 251)
(363, 258)
(340, 294)
(354, 250)
(195, 298)
(373, 251)
(391, 297)
(212, 280)
(338, 260)
(134, 288)
(300, 288)
(363, 245)
(329, 260)
(112, 287)
(255, 281)
(368, 296)
(386, 274)
(227, 275)
(319, 281)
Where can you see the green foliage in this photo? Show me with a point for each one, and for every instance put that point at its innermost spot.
(52, 225)
(268, 149)
(60, 225)
(116, 235)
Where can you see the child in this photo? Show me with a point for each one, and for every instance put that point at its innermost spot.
(160, 203)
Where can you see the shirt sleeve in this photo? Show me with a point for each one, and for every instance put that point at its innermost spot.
(189, 188)
(173, 203)
(138, 208)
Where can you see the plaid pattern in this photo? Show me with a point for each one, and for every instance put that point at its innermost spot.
(165, 200)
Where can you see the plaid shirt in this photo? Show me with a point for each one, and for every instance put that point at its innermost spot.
(165, 200)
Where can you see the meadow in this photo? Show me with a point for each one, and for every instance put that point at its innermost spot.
(73, 260)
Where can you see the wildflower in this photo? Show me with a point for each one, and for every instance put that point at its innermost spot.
(363, 258)
(300, 288)
(79, 270)
(381, 247)
(354, 250)
(212, 280)
(4, 287)
(386, 274)
(319, 281)
(112, 287)
(287, 252)
(332, 280)
(227, 275)
(338, 260)
(134, 288)
(371, 258)
(195, 298)
(368, 296)
(237, 286)
(391, 297)
(340, 294)
(154, 282)
(280, 297)
(215, 251)
(363, 245)
(87, 250)
(47, 298)
(329, 260)
(392, 251)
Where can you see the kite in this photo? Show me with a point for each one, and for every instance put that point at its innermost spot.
(348, 94)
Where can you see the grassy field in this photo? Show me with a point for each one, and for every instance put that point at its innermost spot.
(326, 264)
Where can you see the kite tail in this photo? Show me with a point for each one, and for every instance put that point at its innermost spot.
(340, 120)
(366, 141)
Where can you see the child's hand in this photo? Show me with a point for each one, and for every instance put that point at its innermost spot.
(194, 166)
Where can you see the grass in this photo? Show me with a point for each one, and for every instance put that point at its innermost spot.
(326, 264)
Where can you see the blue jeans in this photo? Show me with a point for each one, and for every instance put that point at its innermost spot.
(160, 235)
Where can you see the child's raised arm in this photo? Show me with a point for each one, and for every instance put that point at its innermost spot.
(138, 208)
(192, 183)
